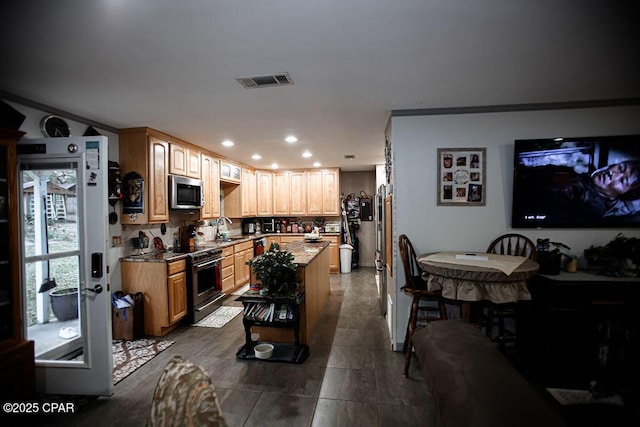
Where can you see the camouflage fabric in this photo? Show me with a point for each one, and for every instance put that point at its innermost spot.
(184, 396)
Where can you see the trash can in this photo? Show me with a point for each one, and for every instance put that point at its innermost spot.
(345, 258)
(127, 316)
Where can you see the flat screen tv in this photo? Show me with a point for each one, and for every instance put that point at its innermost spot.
(583, 182)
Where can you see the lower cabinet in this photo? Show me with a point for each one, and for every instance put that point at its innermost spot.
(243, 252)
(164, 286)
(228, 270)
(334, 254)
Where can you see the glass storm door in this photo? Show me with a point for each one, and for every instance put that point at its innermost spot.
(65, 296)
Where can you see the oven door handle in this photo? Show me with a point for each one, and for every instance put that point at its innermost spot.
(208, 263)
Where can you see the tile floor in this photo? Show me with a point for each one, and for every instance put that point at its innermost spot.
(352, 377)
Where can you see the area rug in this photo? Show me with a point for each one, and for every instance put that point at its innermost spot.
(220, 317)
(131, 355)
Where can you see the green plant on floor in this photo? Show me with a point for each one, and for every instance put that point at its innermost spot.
(275, 270)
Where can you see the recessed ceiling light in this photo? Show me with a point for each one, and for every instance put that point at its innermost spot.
(306, 154)
(291, 139)
(256, 157)
(227, 143)
(274, 166)
(558, 139)
(317, 165)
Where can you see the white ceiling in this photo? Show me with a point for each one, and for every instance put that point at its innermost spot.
(171, 65)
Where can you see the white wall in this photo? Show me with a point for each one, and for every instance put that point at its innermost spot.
(432, 228)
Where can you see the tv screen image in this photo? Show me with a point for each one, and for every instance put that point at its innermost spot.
(577, 182)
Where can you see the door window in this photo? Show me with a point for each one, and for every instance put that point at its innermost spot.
(51, 238)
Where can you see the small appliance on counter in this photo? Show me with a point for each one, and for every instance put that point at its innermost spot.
(269, 225)
(332, 227)
(248, 227)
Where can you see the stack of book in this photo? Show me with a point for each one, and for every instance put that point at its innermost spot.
(267, 312)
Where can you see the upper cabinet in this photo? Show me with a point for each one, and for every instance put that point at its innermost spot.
(289, 194)
(146, 152)
(281, 193)
(230, 172)
(323, 189)
(249, 193)
(297, 193)
(185, 161)
(211, 187)
(264, 187)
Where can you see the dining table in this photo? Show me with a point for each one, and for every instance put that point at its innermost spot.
(473, 277)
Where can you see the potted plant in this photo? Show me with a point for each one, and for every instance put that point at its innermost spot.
(276, 271)
(612, 258)
(64, 303)
(550, 260)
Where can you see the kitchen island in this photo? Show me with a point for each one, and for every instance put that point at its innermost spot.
(313, 273)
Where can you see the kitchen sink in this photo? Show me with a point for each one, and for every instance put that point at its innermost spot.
(233, 239)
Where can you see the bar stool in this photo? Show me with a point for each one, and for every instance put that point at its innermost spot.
(416, 287)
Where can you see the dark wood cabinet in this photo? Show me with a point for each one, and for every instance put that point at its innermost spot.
(16, 355)
(581, 327)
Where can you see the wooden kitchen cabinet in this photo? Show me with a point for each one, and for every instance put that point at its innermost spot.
(249, 195)
(264, 184)
(323, 192)
(297, 193)
(272, 239)
(281, 190)
(289, 193)
(228, 270)
(243, 252)
(164, 286)
(230, 172)
(211, 187)
(184, 160)
(334, 253)
(146, 152)
(177, 296)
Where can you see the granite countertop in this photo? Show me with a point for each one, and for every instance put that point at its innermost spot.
(304, 252)
(304, 256)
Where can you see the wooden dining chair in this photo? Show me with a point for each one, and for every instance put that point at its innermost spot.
(496, 314)
(416, 287)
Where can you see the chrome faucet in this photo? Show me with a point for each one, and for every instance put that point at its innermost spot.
(221, 222)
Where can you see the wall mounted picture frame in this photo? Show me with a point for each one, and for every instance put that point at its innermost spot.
(461, 176)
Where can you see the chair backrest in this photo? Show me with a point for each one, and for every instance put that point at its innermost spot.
(514, 244)
(184, 395)
(412, 272)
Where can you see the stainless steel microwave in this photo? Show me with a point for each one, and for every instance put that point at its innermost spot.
(185, 193)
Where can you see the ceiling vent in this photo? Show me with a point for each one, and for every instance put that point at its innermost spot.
(280, 79)
(349, 156)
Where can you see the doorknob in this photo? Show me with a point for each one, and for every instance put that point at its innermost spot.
(96, 289)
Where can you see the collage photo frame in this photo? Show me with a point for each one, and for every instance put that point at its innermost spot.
(461, 176)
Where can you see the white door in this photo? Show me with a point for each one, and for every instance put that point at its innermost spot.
(64, 210)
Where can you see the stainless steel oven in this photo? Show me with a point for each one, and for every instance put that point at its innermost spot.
(205, 283)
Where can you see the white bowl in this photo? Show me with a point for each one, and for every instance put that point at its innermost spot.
(263, 351)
